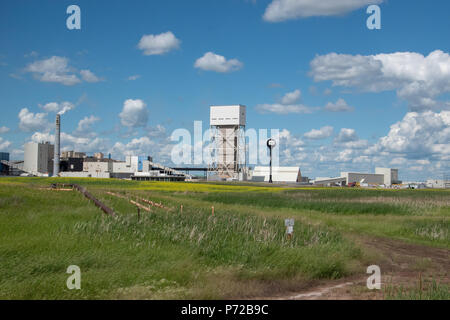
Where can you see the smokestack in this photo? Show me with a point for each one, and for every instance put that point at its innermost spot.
(57, 137)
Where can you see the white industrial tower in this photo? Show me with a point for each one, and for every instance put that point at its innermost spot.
(228, 156)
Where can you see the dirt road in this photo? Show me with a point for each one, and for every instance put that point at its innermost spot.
(401, 264)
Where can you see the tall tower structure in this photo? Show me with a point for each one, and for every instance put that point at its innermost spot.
(228, 156)
(57, 145)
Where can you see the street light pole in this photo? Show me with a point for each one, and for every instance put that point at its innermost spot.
(271, 144)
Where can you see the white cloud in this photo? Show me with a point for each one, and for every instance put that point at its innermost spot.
(291, 97)
(283, 109)
(4, 129)
(17, 153)
(160, 149)
(57, 69)
(85, 124)
(288, 105)
(158, 131)
(418, 136)
(398, 161)
(29, 121)
(418, 145)
(57, 107)
(4, 144)
(418, 79)
(54, 69)
(43, 137)
(158, 44)
(322, 133)
(214, 62)
(281, 10)
(347, 135)
(137, 146)
(134, 113)
(357, 144)
(340, 106)
(89, 76)
(71, 142)
(345, 156)
(133, 77)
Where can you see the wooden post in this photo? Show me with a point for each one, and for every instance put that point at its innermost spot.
(139, 213)
(181, 209)
(212, 210)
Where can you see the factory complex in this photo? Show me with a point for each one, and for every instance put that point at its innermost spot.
(229, 154)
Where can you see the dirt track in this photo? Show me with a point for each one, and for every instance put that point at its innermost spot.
(400, 263)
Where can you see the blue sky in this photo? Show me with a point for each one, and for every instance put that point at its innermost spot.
(353, 83)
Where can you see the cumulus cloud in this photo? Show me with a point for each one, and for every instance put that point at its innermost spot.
(418, 136)
(135, 146)
(346, 135)
(160, 149)
(322, 133)
(134, 113)
(4, 129)
(291, 97)
(89, 76)
(158, 44)
(85, 124)
(418, 79)
(214, 62)
(281, 10)
(340, 106)
(29, 121)
(58, 107)
(288, 105)
(4, 144)
(418, 141)
(54, 69)
(57, 69)
(71, 142)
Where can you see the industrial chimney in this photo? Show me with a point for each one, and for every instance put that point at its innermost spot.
(57, 137)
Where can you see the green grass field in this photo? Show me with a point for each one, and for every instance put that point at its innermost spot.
(240, 251)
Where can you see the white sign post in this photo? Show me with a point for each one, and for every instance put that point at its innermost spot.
(289, 223)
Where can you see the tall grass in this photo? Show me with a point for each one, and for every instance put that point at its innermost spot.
(430, 290)
(42, 232)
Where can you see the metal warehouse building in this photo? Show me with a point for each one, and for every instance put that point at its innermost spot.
(279, 174)
(382, 176)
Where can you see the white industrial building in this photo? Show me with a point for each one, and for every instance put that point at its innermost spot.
(382, 176)
(438, 184)
(390, 175)
(227, 125)
(134, 167)
(98, 166)
(279, 174)
(38, 158)
(367, 178)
